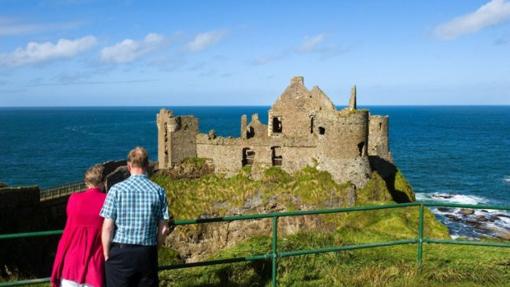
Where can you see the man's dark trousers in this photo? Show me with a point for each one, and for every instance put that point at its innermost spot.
(132, 265)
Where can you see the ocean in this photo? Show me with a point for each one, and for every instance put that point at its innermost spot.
(450, 153)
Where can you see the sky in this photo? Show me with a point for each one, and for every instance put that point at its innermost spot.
(187, 53)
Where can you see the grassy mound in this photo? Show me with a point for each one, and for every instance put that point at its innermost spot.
(215, 194)
(387, 266)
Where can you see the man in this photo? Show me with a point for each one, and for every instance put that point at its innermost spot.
(135, 222)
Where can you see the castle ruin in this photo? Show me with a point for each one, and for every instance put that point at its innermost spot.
(304, 128)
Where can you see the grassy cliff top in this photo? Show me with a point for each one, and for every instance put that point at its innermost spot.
(312, 189)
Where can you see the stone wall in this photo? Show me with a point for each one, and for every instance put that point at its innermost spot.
(18, 208)
(226, 153)
(21, 211)
(296, 109)
(304, 128)
(378, 141)
(176, 138)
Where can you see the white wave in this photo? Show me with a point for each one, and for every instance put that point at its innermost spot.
(453, 198)
(507, 179)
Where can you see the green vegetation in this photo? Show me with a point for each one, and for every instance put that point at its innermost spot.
(310, 188)
(403, 187)
(215, 194)
(374, 191)
(386, 266)
(457, 266)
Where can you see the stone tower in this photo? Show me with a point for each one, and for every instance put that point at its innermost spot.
(176, 138)
(352, 99)
(378, 143)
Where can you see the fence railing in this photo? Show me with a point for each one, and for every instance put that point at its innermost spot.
(59, 191)
(273, 255)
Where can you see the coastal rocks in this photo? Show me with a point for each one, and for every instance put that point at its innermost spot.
(466, 211)
(477, 223)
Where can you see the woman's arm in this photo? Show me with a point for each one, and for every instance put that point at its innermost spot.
(106, 236)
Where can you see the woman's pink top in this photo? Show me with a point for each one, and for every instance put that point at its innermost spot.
(79, 254)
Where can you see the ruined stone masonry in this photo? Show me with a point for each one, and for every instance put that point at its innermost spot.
(304, 128)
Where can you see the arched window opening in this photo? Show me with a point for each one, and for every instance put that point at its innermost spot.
(277, 125)
(250, 133)
(361, 146)
(248, 156)
(276, 156)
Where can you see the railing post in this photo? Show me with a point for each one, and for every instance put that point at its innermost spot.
(419, 256)
(274, 254)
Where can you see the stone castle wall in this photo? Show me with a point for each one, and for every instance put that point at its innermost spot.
(225, 152)
(304, 128)
(176, 138)
(378, 142)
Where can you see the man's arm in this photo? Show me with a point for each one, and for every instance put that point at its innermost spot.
(107, 236)
(163, 232)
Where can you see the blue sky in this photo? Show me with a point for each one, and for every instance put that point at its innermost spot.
(168, 53)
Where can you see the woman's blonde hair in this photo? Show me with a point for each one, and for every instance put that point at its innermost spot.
(94, 176)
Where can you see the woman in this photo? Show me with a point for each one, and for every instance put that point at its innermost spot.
(79, 260)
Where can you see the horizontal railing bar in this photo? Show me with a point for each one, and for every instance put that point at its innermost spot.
(216, 262)
(30, 234)
(292, 213)
(25, 282)
(346, 247)
(466, 242)
(285, 214)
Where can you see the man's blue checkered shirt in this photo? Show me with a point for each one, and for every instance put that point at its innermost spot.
(136, 205)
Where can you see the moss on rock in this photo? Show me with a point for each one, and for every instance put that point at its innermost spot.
(403, 187)
(374, 191)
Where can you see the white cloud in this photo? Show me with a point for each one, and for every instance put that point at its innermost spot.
(205, 40)
(42, 52)
(311, 43)
(13, 27)
(489, 14)
(129, 50)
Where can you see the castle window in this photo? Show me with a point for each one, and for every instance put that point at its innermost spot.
(277, 125)
(311, 124)
(250, 133)
(322, 130)
(380, 126)
(361, 145)
(276, 156)
(248, 156)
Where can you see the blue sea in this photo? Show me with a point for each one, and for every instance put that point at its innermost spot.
(458, 152)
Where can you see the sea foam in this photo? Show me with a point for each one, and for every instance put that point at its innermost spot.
(452, 198)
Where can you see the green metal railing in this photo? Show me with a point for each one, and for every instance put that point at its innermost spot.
(59, 191)
(274, 254)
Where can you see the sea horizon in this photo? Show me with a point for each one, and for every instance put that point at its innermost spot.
(268, 105)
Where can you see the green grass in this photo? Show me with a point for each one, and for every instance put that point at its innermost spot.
(461, 266)
(386, 266)
(217, 194)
